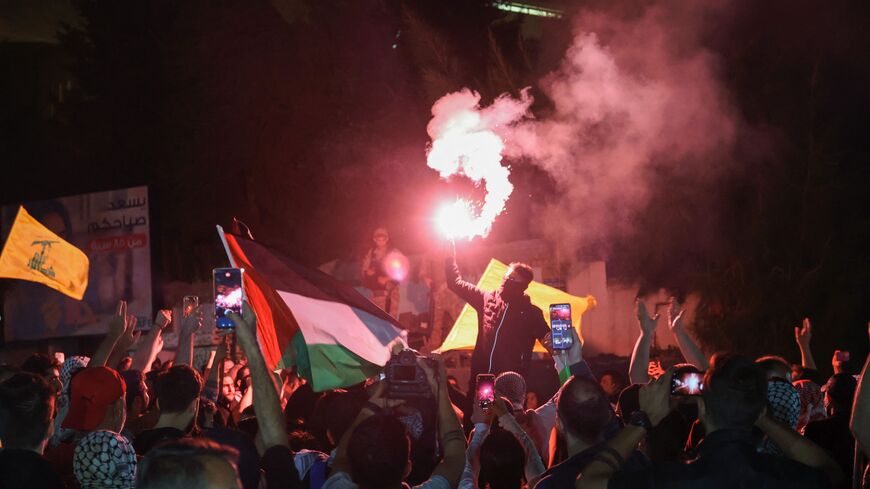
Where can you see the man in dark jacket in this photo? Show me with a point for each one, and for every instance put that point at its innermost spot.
(507, 322)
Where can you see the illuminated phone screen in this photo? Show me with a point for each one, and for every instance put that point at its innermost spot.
(560, 324)
(227, 296)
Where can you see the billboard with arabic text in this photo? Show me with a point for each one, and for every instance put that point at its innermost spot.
(112, 228)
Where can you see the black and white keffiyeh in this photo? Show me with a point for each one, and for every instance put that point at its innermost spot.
(105, 459)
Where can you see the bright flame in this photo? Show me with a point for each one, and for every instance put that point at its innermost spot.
(464, 142)
(396, 266)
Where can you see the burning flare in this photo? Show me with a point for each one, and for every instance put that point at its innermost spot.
(465, 142)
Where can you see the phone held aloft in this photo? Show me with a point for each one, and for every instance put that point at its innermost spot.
(560, 326)
(687, 381)
(485, 390)
(228, 295)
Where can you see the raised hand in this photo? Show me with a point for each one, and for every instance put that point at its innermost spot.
(118, 323)
(655, 397)
(192, 323)
(162, 319)
(675, 315)
(804, 333)
(130, 335)
(647, 322)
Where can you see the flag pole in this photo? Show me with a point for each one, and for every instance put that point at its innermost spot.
(223, 237)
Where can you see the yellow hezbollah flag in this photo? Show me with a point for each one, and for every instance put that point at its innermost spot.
(32, 252)
(463, 336)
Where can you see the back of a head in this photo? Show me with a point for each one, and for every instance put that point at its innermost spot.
(177, 388)
(512, 386)
(28, 404)
(336, 411)
(774, 367)
(735, 391)
(379, 451)
(840, 389)
(584, 408)
(502, 461)
(187, 463)
(39, 363)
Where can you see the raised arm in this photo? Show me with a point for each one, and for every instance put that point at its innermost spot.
(690, 350)
(465, 290)
(119, 325)
(800, 448)
(189, 326)
(270, 419)
(802, 336)
(861, 410)
(449, 430)
(152, 343)
(637, 370)
(655, 402)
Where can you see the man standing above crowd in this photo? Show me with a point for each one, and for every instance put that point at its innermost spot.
(385, 290)
(507, 322)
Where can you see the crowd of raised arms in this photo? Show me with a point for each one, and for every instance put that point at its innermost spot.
(116, 421)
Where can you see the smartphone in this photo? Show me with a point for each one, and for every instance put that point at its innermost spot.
(227, 296)
(560, 324)
(687, 382)
(189, 304)
(485, 390)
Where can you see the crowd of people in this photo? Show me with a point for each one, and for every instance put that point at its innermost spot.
(118, 421)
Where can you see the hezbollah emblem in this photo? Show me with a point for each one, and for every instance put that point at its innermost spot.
(37, 262)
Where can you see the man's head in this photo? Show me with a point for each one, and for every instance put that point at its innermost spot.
(583, 410)
(379, 452)
(27, 402)
(46, 366)
(734, 395)
(335, 412)
(775, 367)
(178, 392)
(512, 386)
(516, 280)
(97, 400)
(502, 460)
(381, 237)
(104, 459)
(839, 394)
(228, 388)
(612, 382)
(189, 463)
(137, 397)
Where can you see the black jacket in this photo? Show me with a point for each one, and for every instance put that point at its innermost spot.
(506, 332)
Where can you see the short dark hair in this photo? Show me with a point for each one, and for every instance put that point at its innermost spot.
(583, 408)
(28, 404)
(38, 363)
(769, 364)
(735, 391)
(178, 464)
(502, 461)
(335, 412)
(523, 270)
(177, 388)
(136, 387)
(379, 451)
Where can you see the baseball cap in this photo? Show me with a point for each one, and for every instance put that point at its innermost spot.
(92, 391)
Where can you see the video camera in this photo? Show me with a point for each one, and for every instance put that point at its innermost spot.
(404, 377)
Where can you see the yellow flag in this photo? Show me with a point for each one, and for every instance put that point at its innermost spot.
(463, 336)
(32, 252)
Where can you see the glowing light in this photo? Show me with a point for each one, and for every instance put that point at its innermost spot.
(396, 266)
(465, 142)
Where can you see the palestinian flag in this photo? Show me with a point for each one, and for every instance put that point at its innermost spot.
(329, 331)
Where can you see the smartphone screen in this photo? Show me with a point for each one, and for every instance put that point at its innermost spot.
(560, 323)
(190, 303)
(485, 389)
(227, 296)
(687, 383)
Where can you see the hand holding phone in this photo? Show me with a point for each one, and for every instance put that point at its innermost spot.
(228, 295)
(561, 326)
(485, 390)
(687, 381)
